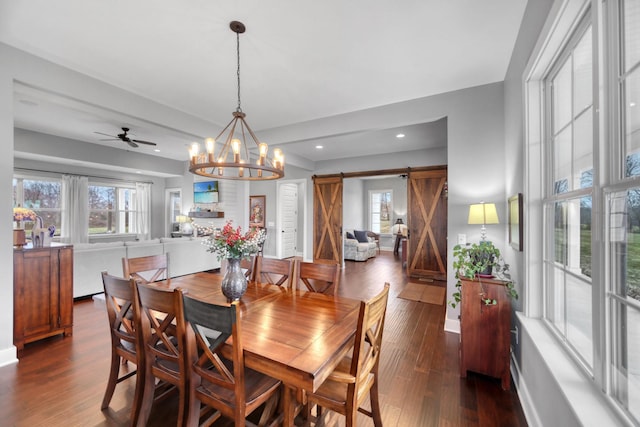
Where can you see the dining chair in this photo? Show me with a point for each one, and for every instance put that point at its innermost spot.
(162, 332)
(356, 375)
(274, 271)
(249, 267)
(125, 346)
(146, 269)
(317, 277)
(224, 386)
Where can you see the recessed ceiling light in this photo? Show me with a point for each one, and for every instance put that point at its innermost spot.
(138, 172)
(632, 104)
(157, 150)
(400, 135)
(319, 147)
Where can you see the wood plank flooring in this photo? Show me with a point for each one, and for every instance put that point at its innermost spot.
(61, 381)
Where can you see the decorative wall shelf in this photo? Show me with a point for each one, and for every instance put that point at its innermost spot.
(206, 214)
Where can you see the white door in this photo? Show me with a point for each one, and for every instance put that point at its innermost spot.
(288, 204)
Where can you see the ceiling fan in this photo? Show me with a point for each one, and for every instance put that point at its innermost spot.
(125, 138)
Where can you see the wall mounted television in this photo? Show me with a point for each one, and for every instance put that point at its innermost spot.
(205, 192)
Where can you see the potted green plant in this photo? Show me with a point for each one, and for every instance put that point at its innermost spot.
(480, 260)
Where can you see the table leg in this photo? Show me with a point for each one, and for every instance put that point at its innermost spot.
(289, 405)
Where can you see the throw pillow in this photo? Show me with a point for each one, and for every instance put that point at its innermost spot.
(350, 235)
(361, 236)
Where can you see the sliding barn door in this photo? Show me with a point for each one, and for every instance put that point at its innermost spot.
(427, 221)
(327, 219)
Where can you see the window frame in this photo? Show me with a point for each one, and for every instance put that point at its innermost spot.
(608, 160)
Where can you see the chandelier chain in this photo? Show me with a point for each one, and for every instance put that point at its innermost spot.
(239, 109)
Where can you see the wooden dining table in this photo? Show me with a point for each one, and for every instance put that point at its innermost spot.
(292, 335)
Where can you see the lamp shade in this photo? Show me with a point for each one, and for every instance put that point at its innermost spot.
(182, 219)
(483, 213)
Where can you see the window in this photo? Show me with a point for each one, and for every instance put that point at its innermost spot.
(623, 218)
(567, 260)
(42, 196)
(380, 208)
(112, 209)
(586, 198)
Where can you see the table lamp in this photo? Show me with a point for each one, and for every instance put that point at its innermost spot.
(182, 220)
(483, 213)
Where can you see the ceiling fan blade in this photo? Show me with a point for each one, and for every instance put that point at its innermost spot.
(133, 144)
(105, 134)
(109, 139)
(144, 142)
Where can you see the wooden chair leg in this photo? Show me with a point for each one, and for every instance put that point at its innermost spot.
(113, 380)
(375, 404)
(147, 399)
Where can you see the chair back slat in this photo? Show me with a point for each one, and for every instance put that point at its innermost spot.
(316, 277)
(147, 269)
(274, 271)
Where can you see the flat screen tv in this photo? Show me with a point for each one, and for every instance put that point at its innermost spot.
(205, 192)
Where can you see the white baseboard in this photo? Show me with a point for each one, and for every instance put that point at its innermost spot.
(8, 356)
(452, 325)
(530, 413)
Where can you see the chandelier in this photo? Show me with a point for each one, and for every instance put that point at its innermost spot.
(232, 160)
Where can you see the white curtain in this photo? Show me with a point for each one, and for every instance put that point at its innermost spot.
(75, 209)
(143, 210)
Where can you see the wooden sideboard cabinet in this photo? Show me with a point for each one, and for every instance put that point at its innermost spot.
(42, 293)
(485, 330)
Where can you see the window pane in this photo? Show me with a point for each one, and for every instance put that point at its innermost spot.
(624, 240)
(568, 282)
(562, 97)
(631, 33)
(560, 233)
(632, 122)
(101, 197)
(562, 161)
(579, 327)
(380, 211)
(624, 243)
(41, 194)
(626, 358)
(582, 69)
(583, 149)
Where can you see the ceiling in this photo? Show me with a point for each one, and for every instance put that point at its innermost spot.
(300, 61)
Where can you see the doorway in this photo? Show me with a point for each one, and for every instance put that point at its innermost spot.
(426, 217)
(291, 218)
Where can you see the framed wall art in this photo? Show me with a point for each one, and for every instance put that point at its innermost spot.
(515, 222)
(257, 210)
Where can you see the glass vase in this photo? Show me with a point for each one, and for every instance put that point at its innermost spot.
(234, 282)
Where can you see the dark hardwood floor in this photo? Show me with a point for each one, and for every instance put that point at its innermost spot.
(61, 381)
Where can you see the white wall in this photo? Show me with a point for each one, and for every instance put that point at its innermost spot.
(7, 349)
(352, 205)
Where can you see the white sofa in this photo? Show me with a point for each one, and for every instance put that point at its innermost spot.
(186, 255)
(359, 251)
